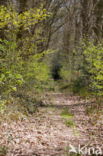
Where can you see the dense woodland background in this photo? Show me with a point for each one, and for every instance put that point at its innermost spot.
(50, 45)
(51, 76)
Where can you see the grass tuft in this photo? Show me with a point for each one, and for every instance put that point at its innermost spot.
(68, 118)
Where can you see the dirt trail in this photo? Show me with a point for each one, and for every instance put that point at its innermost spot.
(47, 134)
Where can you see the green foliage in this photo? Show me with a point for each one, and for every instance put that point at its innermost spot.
(94, 58)
(11, 18)
(80, 87)
(2, 106)
(86, 73)
(65, 74)
(21, 66)
(10, 76)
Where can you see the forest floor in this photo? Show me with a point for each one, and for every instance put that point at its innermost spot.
(53, 129)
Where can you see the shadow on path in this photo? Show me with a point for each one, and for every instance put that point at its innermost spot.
(68, 105)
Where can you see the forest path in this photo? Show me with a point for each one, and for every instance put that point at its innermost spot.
(49, 133)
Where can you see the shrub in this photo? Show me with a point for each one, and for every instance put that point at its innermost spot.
(21, 65)
(94, 58)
